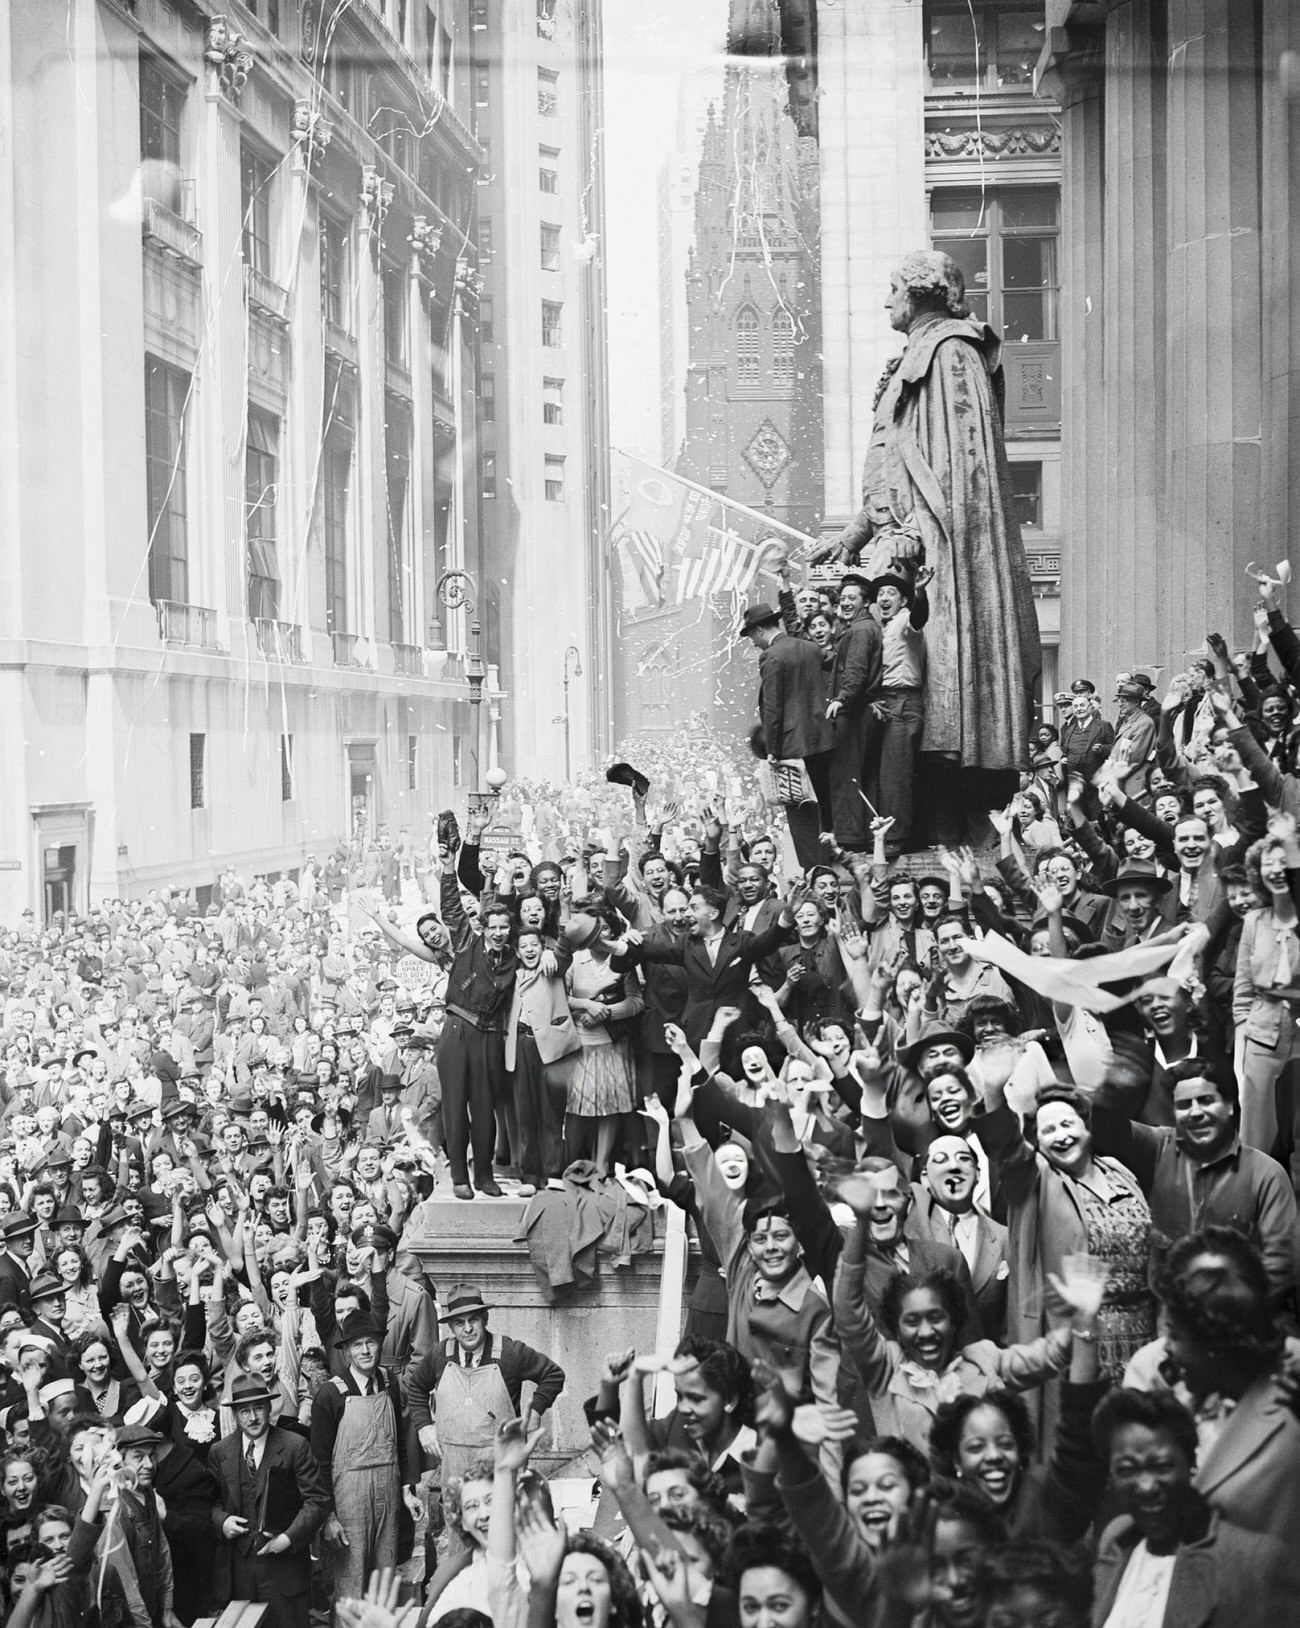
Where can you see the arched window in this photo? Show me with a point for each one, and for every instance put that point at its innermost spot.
(747, 345)
(783, 348)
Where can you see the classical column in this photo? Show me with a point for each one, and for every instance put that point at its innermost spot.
(371, 550)
(1214, 394)
(1280, 302)
(1074, 78)
(1129, 571)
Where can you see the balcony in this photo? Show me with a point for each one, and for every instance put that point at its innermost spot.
(190, 625)
(278, 641)
(408, 660)
(266, 295)
(172, 232)
(341, 342)
(397, 379)
(347, 650)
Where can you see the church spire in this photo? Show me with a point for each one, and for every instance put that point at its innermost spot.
(754, 28)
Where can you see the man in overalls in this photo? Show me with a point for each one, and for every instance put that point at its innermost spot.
(471, 1383)
(358, 1441)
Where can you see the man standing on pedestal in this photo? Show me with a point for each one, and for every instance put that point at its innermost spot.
(854, 686)
(792, 707)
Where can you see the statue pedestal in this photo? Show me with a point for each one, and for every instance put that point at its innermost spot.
(475, 1243)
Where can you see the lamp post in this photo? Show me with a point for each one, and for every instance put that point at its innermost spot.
(452, 590)
(577, 673)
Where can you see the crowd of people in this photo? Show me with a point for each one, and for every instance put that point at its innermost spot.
(989, 1162)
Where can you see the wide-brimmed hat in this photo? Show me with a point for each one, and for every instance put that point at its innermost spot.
(246, 1389)
(623, 774)
(464, 1300)
(1136, 870)
(45, 1285)
(936, 1033)
(757, 616)
(17, 1225)
(358, 1325)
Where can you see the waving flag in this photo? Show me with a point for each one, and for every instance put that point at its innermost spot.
(677, 540)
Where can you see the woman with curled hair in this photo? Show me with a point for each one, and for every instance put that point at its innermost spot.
(713, 1415)
(1065, 1199)
(987, 1442)
(1221, 1340)
(1265, 989)
(913, 1363)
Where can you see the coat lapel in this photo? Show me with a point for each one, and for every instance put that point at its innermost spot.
(1253, 1423)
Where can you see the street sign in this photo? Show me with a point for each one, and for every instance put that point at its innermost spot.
(495, 843)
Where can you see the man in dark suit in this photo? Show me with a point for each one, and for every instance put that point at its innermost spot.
(270, 1498)
(792, 707)
(1086, 740)
(855, 680)
(943, 1212)
(19, 1234)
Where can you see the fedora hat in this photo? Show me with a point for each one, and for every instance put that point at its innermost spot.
(756, 616)
(936, 1033)
(464, 1300)
(1136, 870)
(358, 1325)
(246, 1389)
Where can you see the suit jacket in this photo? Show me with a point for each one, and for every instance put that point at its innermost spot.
(1227, 1576)
(857, 665)
(412, 1330)
(989, 1274)
(557, 1035)
(1086, 747)
(713, 983)
(1252, 1472)
(665, 994)
(792, 699)
(289, 1495)
(15, 1282)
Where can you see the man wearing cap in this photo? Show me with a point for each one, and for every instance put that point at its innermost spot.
(903, 608)
(853, 686)
(1085, 739)
(411, 1321)
(49, 1303)
(270, 1498)
(357, 1438)
(792, 708)
(1137, 889)
(19, 1233)
(471, 1383)
(141, 1524)
(384, 1125)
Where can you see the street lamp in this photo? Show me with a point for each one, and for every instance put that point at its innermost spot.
(577, 673)
(452, 590)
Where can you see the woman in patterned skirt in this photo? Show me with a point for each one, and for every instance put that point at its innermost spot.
(602, 1086)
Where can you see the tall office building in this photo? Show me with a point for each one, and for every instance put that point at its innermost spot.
(544, 454)
(237, 402)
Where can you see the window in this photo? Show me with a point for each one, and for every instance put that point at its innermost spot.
(548, 95)
(398, 18)
(487, 398)
(1006, 248)
(412, 777)
(485, 241)
(1027, 487)
(478, 13)
(198, 753)
(397, 447)
(747, 343)
(548, 169)
(161, 100)
(336, 273)
(481, 87)
(395, 316)
(783, 348)
(552, 401)
(286, 768)
(552, 329)
(255, 177)
(550, 247)
(486, 328)
(546, 19)
(261, 476)
(992, 47)
(488, 471)
(337, 474)
(554, 479)
(166, 391)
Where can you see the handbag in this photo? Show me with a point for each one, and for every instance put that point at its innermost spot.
(786, 781)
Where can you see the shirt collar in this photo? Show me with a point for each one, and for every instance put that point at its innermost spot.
(791, 1294)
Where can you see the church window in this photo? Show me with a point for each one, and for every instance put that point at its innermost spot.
(783, 348)
(747, 345)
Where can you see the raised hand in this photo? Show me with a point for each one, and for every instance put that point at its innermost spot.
(1081, 1284)
(817, 1422)
(616, 1470)
(859, 1190)
(773, 1404)
(512, 1446)
(1000, 819)
(542, 1541)
(617, 1366)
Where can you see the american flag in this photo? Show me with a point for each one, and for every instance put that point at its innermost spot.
(645, 550)
(727, 565)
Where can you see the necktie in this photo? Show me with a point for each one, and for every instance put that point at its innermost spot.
(250, 1459)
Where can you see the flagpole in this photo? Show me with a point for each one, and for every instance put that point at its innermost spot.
(718, 497)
